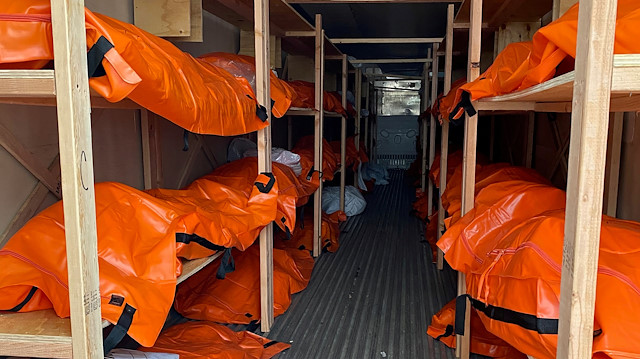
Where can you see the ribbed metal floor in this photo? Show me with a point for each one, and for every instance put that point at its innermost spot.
(374, 298)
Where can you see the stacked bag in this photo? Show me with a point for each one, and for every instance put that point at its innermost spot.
(510, 246)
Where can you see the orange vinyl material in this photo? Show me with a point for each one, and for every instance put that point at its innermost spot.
(485, 175)
(139, 242)
(522, 274)
(449, 100)
(305, 148)
(205, 340)
(236, 298)
(498, 208)
(522, 65)
(306, 97)
(302, 237)
(454, 160)
(292, 192)
(354, 157)
(482, 342)
(245, 66)
(147, 69)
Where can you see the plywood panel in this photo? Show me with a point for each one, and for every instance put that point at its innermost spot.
(163, 17)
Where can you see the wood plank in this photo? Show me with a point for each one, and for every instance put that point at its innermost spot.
(500, 12)
(263, 52)
(193, 266)
(389, 61)
(432, 135)
(387, 40)
(612, 176)
(318, 129)
(163, 18)
(561, 6)
(469, 158)
(356, 136)
(343, 133)
(40, 334)
(531, 126)
(31, 205)
(444, 138)
(32, 164)
(195, 22)
(365, 1)
(76, 162)
(367, 105)
(424, 132)
(27, 83)
(589, 125)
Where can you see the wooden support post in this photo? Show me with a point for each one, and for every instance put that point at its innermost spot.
(151, 151)
(432, 133)
(343, 133)
(356, 137)
(263, 71)
(444, 138)
(469, 158)
(531, 127)
(612, 177)
(76, 163)
(367, 105)
(424, 124)
(318, 123)
(589, 126)
(289, 133)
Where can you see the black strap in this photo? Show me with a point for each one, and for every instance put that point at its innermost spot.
(465, 103)
(25, 300)
(194, 238)
(447, 332)
(252, 326)
(185, 139)
(261, 112)
(269, 344)
(526, 321)
(310, 174)
(227, 265)
(120, 329)
(266, 188)
(96, 54)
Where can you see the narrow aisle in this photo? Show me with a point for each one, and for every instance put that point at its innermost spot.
(374, 298)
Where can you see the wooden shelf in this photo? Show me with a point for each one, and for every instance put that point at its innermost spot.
(283, 18)
(556, 94)
(499, 12)
(43, 334)
(37, 88)
(298, 111)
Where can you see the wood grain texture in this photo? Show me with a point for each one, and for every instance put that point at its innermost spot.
(343, 133)
(587, 152)
(318, 129)
(76, 163)
(195, 24)
(163, 17)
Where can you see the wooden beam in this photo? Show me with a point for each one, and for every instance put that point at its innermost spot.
(587, 152)
(343, 133)
(263, 71)
(194, 151)
(29, 161)
(300, 34)
(366, 1)
(612, 177)
(387, 40)
(424, 124)
(76, 163)
(30, 207)
(318, 129)
(466, 25)
(432, 135)
(389, 61)
(356, 136)
(444, 139)
(561, 6)
(469, 158)
(367, 105)
(151, 150)
(531, 127)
